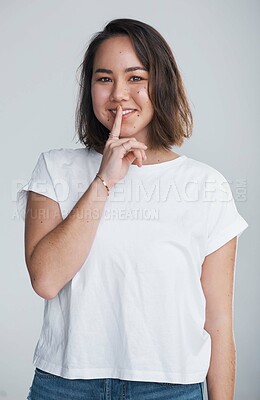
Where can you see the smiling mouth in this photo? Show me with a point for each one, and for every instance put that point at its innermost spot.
(125, 112)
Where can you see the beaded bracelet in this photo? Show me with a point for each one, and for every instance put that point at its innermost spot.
(104, 183)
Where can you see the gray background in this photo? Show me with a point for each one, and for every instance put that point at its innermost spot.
(42, 44)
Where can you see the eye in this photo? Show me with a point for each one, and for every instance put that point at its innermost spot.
(136, 78)
(104, 79)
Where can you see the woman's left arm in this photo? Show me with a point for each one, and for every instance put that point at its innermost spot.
(218, 285)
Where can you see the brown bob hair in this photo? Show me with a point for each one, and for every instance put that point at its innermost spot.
(172, 119)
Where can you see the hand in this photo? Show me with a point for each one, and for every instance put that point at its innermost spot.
(119, 154)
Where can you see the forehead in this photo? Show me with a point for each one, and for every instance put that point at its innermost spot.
(117, 51)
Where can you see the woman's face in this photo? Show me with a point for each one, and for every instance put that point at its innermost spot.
(119, 78)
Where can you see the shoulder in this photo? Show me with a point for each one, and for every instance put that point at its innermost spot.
(63, 158)
(203, 171)
(64, 154)
(70, 164)
(211, 183)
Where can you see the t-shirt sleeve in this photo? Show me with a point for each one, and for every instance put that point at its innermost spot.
(40, 182)
(224, 220)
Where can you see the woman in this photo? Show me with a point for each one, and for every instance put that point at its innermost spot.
(132, 245)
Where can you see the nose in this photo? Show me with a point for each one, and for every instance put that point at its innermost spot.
(119, 91)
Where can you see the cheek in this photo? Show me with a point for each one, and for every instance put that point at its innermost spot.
(142, 95)
(99, 97)
(144, 99)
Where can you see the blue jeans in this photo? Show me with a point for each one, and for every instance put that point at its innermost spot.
(46, 386)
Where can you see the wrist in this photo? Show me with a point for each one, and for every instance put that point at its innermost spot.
(102, 188)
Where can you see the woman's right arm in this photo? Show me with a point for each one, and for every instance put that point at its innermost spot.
(56, 249)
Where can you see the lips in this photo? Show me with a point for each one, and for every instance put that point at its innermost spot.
(125, 111)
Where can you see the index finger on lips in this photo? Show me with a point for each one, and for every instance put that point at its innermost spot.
(116, 129)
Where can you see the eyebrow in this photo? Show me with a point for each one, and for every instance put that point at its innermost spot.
(109, 71)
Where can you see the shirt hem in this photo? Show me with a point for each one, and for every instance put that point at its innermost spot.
(123, 374)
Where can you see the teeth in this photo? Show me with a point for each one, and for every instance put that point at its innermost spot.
(127, 111)
(124, 112)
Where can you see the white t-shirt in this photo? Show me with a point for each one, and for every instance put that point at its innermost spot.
(136, 309)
